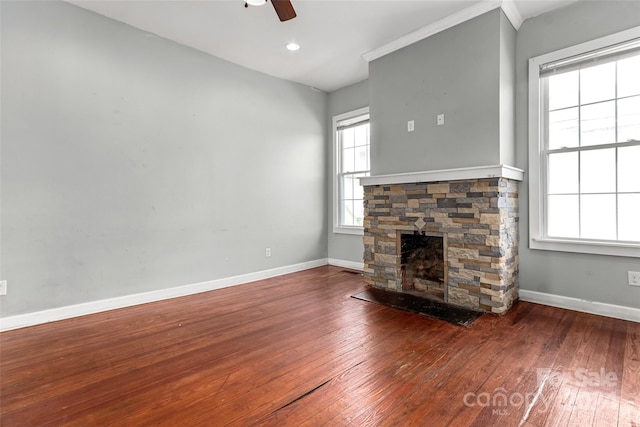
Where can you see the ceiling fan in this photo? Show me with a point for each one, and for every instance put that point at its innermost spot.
(283, 8)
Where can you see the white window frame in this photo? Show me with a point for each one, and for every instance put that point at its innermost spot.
(337, 228)
(537, 165)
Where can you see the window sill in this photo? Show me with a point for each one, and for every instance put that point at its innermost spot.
(343, 229)
(586, 247)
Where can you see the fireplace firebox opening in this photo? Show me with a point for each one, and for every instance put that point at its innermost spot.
(423, 264)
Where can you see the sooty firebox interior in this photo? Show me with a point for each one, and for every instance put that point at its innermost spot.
(423, 264)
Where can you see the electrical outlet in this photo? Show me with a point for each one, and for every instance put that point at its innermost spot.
(634, 278)
(3, 287)
(267, 252)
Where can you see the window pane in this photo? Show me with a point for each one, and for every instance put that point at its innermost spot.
(563, 90)
(598, 216)
(563, 173)
(628, 72)
(598, 171)
(563, 128)
(361, 158)
(347, 137)
(358, 212)
(629, 170)
(562, 213)
(628, 212)
(346, 191)
(361, 134)
(598, 124)
(368, 156)
(598, 83)
(348, 160)
(346, 212)
(358, 190)
(629, 118)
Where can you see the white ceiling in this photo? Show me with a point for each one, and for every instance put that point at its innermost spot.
(334, 34)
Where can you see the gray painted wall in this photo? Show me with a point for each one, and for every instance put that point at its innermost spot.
(590, 277)
(131, 163)
(455, 72)
(345, 247)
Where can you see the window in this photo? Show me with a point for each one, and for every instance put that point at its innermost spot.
(351, 148)
(584, 147)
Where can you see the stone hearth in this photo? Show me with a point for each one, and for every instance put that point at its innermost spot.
(478, 219)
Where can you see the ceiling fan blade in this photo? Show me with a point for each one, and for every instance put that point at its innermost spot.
(284, 9)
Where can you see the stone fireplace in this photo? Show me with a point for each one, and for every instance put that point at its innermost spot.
(451, 235)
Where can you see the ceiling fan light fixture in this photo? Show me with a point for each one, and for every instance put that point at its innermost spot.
(293, 46)
(255, 2)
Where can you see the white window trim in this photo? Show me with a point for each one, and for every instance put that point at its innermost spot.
(537, 239)
(337, 228)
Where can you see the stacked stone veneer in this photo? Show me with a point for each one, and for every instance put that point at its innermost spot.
(480, 220)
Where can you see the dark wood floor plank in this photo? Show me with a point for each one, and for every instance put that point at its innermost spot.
(391, 380)
(629, 415)
(481, 381)
(298, 350)
(513, 388)
(163, 340)
(554, 393)
(145, 376)
(354, 385)
(607, 407)
(596, 379)
(414, 396)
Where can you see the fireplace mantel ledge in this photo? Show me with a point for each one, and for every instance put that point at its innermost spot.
(478, 172)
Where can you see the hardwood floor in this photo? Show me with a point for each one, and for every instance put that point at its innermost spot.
(297, 350)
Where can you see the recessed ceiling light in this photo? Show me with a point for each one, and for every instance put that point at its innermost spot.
(293, 46)
(256, 2)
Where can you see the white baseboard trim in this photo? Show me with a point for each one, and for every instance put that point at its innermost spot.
(61, 313)
(592, 307)
(347, 264)
(54, 314)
